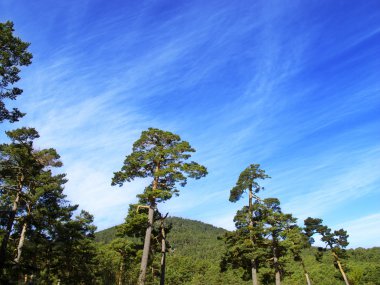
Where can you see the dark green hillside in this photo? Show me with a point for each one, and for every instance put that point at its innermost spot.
(182, 235)
(194, 238)
(106, 236)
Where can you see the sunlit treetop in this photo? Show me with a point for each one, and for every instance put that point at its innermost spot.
(162, 156)
(248, 181)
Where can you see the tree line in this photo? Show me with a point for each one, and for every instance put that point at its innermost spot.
(46, 240)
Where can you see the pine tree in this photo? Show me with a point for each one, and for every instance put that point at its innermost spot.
(127, 252)
(74, 250)
(248, 182)
(19, 168)
(246, 243)
(46, 241)
(42, 190)
(336, 241)
(14, 54)
(277, 225)
(296, 242)
(161, 156)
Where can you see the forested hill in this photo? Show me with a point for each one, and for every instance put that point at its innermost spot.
(196, 252)
(187, 237)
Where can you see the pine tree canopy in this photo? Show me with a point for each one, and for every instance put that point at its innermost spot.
(248, 181)
(13, 54)
(160, 155)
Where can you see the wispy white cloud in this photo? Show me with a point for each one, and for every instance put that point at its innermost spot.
(353, 182)
(363, 232)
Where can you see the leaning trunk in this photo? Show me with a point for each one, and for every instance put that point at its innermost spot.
(12, 216)
(148, 233)
(307, 278)
(306, 273)
(163, 255)
(21, 243)
(340, 268)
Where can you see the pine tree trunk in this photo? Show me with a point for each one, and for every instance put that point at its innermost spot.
(253, 261)
(340, 268)
(306, 273)
(163, 255)
(21, 243)
(307, 278)
(276, 269)
(254, 273)
(148, 233)
(12, 216)
(121, 272)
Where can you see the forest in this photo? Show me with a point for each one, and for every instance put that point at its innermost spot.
(45, 239)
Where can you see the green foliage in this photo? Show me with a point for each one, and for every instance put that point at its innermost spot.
(276, 227)
(245, 244)
(260, 238)
(13, 54)
(248, 181)
(127, 253)
(135, 223)
(39, 237)
(160, 155)
(195, 254)
(107, 235)
(26, 181)
(336, 241)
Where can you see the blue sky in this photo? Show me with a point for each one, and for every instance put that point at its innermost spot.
(292, 85)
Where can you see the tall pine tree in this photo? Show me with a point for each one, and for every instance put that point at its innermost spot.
(248, 181)
(161, 156)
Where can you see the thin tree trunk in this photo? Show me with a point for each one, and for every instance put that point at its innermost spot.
(254, 272)
(148, 233)
(276, 269)
(307, 278)
(12, 216)
(306, 273)
(21, 243)
(121, 272)
(163, 254)
(340, 268)
(253, 261)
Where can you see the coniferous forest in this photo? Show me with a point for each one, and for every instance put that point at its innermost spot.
(46, 239)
